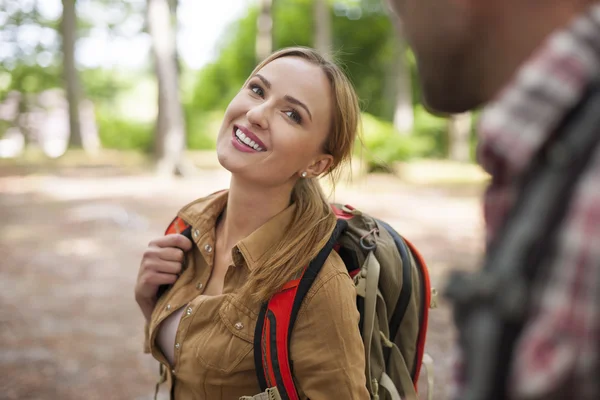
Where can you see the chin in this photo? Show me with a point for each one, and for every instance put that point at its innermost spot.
(451, 82)
(227, 160)
(448, 96)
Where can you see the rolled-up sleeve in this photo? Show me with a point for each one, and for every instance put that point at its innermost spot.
(326, 347)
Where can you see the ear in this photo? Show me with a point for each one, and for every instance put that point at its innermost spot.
(320, 165)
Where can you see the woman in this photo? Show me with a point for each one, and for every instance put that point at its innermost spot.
(294, 120)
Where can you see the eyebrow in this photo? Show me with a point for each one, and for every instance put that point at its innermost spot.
(264, 80)
(288, 98)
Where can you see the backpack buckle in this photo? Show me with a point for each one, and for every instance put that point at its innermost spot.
(360, 283)
(367, 246)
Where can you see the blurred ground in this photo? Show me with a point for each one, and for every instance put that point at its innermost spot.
(70, 243)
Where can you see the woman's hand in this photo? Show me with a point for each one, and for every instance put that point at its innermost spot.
(161, 265)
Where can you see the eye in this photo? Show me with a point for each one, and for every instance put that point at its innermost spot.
(294, 116)
(257, 89)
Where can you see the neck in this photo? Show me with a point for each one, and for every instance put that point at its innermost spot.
(519, 33)
(249, 207)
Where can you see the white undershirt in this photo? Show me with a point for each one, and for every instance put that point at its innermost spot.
(167, 331)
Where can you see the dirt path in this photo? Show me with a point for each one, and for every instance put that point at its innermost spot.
(70, 245)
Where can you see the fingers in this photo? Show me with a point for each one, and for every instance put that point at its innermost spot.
(159, 278)
(161, 264)
(167, 260)
(170, 254)
(173, 240)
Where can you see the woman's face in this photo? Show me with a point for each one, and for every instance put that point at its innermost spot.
(275, 127)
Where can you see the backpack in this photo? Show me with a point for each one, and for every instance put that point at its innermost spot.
(393, 299)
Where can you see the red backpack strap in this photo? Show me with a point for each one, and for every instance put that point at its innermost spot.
(276, 322)
(178, 225)
(426, 291)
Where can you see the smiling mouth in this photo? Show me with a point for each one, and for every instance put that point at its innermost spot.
(246, 141)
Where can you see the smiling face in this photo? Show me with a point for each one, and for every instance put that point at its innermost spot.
(276, 126)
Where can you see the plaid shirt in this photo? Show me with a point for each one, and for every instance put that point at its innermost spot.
(558, 354)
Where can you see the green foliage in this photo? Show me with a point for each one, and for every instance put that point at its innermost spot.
(29, 79)
(203, 128)
(219, 82)
(366, 46)
(363, 35)
(103, 84)
(117, 132)
(292, 23)
(383, 145)
(434, 128)
(368, 53)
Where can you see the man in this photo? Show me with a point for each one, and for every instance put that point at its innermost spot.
(531, 62)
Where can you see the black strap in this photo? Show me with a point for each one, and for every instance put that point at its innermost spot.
(258, 353)
(306, 282)
(406, 290)
(313, 270)
(491, 306)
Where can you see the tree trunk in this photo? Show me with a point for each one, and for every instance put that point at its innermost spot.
(71, 77)
(170, 129)
(459, 131)
(264, 31)
(322, 27)
(403, 112)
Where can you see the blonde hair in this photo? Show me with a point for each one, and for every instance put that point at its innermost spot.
(313, 221)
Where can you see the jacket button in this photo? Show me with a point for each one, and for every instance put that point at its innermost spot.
(177, 345)
(189, 311)
(196, 233)
(239, 326)
(168, 307)
(208, 248)
(199, 286)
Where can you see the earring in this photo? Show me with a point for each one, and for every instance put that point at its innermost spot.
(304, 174)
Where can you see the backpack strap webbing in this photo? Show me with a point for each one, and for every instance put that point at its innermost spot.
(406, 291)
(426, 301)
(276, 322)
(406, 249)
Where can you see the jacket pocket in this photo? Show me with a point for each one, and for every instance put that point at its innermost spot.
(230, 340)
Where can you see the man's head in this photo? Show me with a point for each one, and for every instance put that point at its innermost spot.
(467, 50)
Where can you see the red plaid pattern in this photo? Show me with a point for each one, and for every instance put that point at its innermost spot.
(558, 355)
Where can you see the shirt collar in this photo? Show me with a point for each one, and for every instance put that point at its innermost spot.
(204, 213)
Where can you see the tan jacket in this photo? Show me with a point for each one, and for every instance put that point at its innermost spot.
(214, 343)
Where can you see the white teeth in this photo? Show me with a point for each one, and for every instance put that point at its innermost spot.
(245, 139)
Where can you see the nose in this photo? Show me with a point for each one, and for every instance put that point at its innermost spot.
(258, 115)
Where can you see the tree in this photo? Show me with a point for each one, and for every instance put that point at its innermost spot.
(70, 73)
(264, 33)
(322, 27)
(403, 111)
(170, 127)
(459, 129)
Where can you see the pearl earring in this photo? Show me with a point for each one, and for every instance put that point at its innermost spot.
(304, 174)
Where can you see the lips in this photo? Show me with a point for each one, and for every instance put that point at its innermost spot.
(242, 136)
